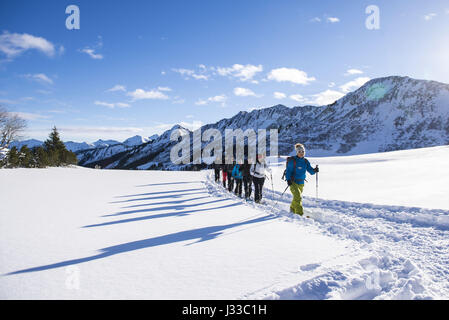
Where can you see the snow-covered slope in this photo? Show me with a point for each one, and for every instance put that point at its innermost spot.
(385, 114)
(85, 233)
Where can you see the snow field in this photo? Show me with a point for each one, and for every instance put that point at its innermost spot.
(77, 233)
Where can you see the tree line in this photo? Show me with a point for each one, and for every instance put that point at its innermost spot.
(52, 153)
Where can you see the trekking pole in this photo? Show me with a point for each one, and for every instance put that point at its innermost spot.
(281, 196)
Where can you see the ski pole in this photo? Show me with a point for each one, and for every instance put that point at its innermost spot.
(316, 197)
(281, 196)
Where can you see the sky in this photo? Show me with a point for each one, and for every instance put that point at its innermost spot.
(140, 67)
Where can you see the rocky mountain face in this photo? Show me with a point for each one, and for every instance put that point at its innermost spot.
(385, 114)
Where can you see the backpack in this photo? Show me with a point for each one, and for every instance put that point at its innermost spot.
(286, 164)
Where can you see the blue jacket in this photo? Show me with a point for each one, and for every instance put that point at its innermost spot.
(236, 172)
(302, 164)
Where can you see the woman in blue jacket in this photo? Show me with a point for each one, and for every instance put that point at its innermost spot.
(296, 175)
(238, 176)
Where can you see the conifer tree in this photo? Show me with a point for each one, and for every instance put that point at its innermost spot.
(40, 157)
(54, 147)
(13, 158)
(25, 157)
(56, 151)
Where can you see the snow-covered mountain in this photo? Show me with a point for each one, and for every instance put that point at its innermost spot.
(81, 146)
(104, 143)
(135, 141)
(77, 146)
(152, 154)
(385, 114)
(30, 143)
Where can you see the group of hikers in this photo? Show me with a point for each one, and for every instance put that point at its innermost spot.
(244, 173)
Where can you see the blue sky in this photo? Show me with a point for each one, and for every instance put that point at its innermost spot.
(139, 67)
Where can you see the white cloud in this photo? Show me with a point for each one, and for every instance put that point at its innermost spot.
(351, 72)
(220, 98)
(331, 85)
(297, 97)
(184, 72)
(325, 97)
(39, 77)
(104, 104)
(290, 75)
(279, 95)
(201, 102)
(355, 84)
(83, 132)
(117, 87)
(112, 105)
(91, 50)
(164, 89)
(200, 76)
(430, 16)
(333, 19)
(244, 92)
(242, 72)
(191, 73)
(316, 19)
(92, 54)
(13, 44)
(140, 94)
(29, 116)
(122, 105)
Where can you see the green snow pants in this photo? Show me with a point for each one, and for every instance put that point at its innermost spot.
(296, 205)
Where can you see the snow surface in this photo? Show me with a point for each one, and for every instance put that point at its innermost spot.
(179, 235)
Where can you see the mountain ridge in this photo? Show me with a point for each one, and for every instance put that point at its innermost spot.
(385, 114)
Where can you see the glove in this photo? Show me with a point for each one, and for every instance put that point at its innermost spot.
(289, 182)
(316, 169)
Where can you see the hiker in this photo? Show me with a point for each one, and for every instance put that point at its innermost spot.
(229, 168)
(217, 172)
(258, 175)
(238, 176)
(296, 175)
(224, 173)
(247, 179)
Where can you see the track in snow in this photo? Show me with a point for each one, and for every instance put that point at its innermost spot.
(406, 250)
